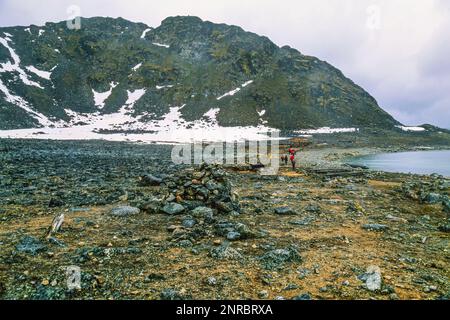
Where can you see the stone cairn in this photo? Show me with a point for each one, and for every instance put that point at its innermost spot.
(205, 186)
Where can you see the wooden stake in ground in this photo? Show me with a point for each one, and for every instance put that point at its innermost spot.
(56, 225)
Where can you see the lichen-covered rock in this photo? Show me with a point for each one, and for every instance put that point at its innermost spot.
(284, 211)
(173, 208)
(372, 278)
(225, 252)
(278, 258)
(30, 245)
(375, 227)
(124, 211)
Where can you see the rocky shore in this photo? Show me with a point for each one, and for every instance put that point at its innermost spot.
(139, 227)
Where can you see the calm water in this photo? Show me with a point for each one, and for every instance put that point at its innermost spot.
(418, 162)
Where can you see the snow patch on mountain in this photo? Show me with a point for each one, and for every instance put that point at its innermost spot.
(43, 74)
(21, 103)
(327, 130)
(233, 92)
(170, 128)
(136, 67)
(101, 97)
(412, 129)
(15, 66)
(161, 45)
(164, 87)
(134, 96)
(145, 32)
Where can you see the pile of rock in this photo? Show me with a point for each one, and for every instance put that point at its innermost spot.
(434, 191)
(204, 187)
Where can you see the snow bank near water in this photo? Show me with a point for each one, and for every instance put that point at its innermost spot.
(327, 130)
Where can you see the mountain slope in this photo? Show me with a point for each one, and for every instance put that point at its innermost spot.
(186, 68)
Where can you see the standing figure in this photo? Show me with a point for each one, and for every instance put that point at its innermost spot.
(293, 161)
(292, 152)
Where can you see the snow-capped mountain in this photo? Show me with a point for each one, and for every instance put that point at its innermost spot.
(114, 76)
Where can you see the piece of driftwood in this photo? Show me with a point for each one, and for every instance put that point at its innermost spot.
(56, 225)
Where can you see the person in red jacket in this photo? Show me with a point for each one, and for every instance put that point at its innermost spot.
(293, 161)
(292, 152)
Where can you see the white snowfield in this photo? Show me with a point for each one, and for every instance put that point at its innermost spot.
(145, 32)
(327, 130)
(412, 129)
(134, 96)
(171, 128)
(233, 92)
(161, 45)
(43, 74)
(164, 87)
(136, 67)
(15, 66)
(101, 97)
(21, 103)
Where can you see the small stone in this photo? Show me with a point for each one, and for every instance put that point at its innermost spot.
(212, 281)
(124, 211)
(225, 252)
(45, 282)
(202, 212)
(313, 208)
(393, 296)
(173, 208)
(263, 294)
(278, 258)
(444, 228)
(150, 180)
(285, 211)
(172, 228)
(304, 296)
(375, 227)
(185, 244)
(189, 223)
(372, 278)
(233, 236)
(432, 198)
(170, 294)
(224, 207)
(171, 198)
(54, 203)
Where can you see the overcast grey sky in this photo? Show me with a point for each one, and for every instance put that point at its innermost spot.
(398, 50)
